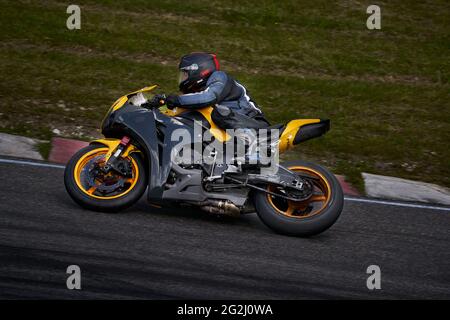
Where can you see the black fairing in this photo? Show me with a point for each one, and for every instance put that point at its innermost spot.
(147, 129)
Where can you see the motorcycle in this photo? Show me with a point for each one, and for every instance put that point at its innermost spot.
(295, 198)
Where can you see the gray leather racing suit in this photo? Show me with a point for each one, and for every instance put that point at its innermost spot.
(224, 90)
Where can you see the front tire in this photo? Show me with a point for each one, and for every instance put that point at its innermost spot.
(98, 193)
(307, 218)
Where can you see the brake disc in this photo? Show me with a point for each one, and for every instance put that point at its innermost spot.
(94, 172)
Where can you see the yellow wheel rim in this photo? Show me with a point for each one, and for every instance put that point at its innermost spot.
(308, 208)
(96, 156)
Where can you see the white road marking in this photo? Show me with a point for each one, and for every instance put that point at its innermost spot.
(32, 163)
(398, 204)
(389, 203)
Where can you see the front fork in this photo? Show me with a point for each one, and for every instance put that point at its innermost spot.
(118, 150)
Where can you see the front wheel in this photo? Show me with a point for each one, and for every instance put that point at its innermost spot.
(91, 188)
(308, 217)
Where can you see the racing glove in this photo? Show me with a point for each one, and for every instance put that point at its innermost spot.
(172, 101)
(157, 101)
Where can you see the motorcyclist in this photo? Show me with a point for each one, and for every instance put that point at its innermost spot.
(203, 84)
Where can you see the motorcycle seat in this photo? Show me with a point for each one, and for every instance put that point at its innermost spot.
(225, 118)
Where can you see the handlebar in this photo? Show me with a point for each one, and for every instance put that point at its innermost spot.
(156, 102)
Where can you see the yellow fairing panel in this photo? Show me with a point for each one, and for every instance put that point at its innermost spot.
(112, 145)
(217, 132)
(146, 89)
(121, 101)
(288, 135)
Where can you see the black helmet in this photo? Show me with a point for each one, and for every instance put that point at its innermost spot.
(195, 69)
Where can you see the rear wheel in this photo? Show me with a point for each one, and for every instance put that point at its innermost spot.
(92, 189)
(302, 218)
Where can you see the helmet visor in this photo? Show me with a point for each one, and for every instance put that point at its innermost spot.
(183, 75)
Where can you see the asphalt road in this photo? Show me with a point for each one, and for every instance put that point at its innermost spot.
(157, 254)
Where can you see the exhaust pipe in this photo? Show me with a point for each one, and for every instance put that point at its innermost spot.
(220, 207)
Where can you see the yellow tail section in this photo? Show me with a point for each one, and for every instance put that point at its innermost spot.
(291, 130)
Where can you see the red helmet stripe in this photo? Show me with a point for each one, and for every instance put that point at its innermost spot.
(216, 62)
(204, 73)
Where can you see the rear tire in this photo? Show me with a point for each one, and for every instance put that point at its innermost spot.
(303, 226)
(105, 204)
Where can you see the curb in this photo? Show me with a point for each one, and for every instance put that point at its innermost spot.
(394, 188)
(63, 149)
(18, 146)
(347, 188)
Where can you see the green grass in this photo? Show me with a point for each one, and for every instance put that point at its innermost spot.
(386, 91)
(44, 149)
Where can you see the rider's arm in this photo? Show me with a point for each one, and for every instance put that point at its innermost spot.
(214, 91)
